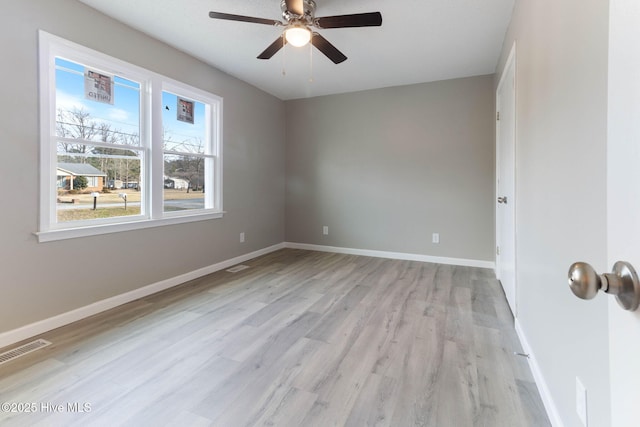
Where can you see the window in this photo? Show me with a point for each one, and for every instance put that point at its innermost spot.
(122, 147)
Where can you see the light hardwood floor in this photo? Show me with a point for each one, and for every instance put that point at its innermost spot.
(299, 339)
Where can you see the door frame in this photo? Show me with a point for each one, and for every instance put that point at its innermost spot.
(509, 63)
(623, 202)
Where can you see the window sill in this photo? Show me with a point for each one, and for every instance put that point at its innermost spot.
(72, 233)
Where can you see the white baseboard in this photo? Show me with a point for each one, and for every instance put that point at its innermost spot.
(393, 255)
(37, 328)
(545, 394)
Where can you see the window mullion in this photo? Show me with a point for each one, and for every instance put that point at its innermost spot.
(157, 156)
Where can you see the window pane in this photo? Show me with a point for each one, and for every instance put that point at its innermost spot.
(78, 117)
(184, 178)
(113, 176)
(184, 124)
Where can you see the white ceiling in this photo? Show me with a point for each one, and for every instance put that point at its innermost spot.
(419, 41)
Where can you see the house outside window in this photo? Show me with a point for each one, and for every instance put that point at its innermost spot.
(111, 130)
(66, 174)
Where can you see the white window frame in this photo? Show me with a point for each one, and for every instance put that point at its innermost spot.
(151, 135)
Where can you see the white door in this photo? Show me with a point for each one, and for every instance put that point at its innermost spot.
(505, 181)
(623, 202)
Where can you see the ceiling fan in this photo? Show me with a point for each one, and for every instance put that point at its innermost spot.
(300, 18)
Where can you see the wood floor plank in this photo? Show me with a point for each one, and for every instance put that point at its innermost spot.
(339, 345)
(459, 335)
(256, 367)
(184, 395)
(415, 402)
(340, 389)
(333, 319)
(290, 410)
(186, 418)
(500, 403)
(267, 394)
(298, 338)
(375, 403)
(531, 404)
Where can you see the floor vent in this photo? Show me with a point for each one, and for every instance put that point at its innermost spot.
(237, 268)
(8, 356)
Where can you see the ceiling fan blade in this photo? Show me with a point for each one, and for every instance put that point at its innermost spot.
(327, 48)
(295, 6)
(241, 18)
(273, 48)
(371, 19)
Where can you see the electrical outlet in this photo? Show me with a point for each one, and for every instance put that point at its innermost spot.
(325, 230)
(581, 401)
(242, 237)
(435, 238)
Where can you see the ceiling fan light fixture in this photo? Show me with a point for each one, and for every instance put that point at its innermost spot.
(298, 36)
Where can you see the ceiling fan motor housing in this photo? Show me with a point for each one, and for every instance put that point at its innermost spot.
(308, 16)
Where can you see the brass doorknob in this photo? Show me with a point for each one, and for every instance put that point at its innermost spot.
(622, 282)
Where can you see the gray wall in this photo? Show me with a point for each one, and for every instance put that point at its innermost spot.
(561, 192)
(386, 168)
(40, 280)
